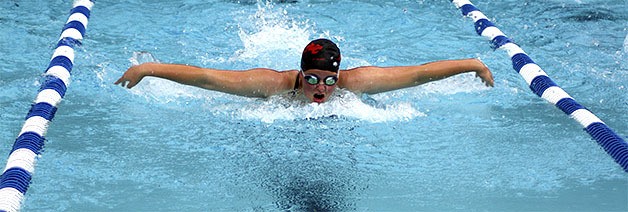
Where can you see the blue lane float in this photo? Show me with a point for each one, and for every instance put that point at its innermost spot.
(17, 174)
(545, 88)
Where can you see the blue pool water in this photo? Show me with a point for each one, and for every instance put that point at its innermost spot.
(452, 145)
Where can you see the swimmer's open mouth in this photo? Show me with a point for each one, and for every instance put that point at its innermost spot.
(319, 97)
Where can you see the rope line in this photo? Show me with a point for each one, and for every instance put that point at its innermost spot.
(17, 174)
(544, 87)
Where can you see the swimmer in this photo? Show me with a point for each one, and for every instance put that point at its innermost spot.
(317, 79)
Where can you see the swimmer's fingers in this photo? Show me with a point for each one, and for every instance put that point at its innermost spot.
(130, 78)
(487, 80)
(121, 81)
(126, 83)
(486, 76)
(131, 84)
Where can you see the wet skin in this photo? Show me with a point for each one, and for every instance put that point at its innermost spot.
(320, 92)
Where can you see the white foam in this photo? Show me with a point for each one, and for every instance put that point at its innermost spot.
(344, 104)
(160, 90)
(165, 91)
(461, 83)
(271, 38)
(142, 57)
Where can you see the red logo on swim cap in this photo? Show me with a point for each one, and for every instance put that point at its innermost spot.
(313, 48)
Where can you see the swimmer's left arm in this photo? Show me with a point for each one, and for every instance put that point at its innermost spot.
(373, 80)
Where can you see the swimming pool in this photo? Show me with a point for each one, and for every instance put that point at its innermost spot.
(449, 145)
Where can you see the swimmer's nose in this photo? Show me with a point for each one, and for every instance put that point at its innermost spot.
(321, 88)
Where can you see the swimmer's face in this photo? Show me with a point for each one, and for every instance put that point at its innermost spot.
(318, 85)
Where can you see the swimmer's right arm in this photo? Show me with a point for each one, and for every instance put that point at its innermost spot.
(184, 74)
(252, 83)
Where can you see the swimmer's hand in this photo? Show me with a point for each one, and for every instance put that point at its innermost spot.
(131, 77)
(485, 75)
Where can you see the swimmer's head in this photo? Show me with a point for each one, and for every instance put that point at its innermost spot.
(321, 54)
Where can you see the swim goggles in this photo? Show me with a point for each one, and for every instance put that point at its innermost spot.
(312, 79)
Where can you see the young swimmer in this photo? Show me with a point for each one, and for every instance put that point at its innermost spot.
(315, 82)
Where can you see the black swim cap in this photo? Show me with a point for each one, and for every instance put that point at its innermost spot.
(321, 54)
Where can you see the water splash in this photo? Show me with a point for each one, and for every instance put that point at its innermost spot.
(272, 38)
(162, 90)
(142, 57)
(343, 104)
(282, 107)
(269, 36)
(462, 83)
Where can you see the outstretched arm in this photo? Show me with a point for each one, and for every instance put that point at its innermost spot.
(252, 83)
(373, 80)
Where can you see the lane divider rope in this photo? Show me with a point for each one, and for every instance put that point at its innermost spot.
(20, 166)
(544, 87)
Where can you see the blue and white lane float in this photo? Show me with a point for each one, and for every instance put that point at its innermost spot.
(544, 87)
(20, 165)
